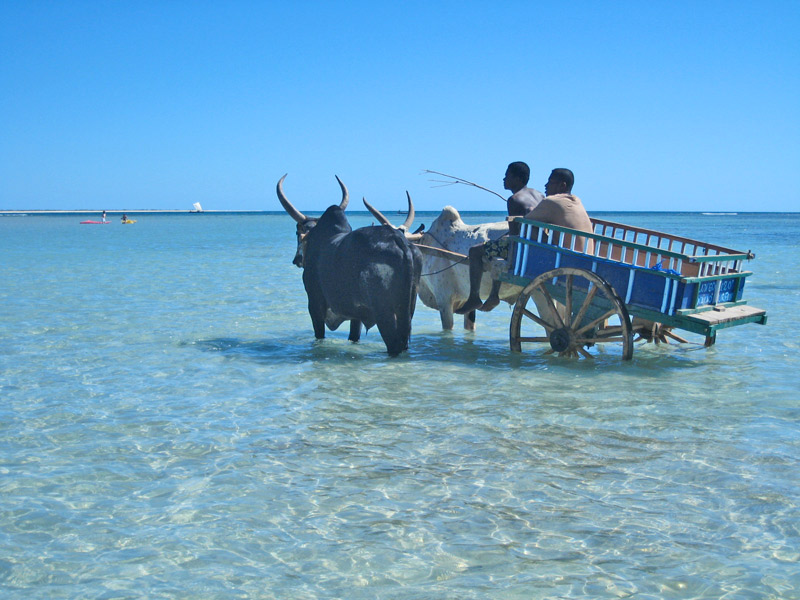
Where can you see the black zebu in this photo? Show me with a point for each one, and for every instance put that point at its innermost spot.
(368, 276)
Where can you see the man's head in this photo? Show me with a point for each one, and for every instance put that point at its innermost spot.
(560, 182)
(517, 176)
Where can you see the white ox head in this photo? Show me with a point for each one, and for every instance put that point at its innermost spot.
(445, 287)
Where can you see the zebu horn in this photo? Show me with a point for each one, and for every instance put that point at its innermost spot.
(377, 214)
(287, 206)
(383, 220)
(410, 218)
(345, 195)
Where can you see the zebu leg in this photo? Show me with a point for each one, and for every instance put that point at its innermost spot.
(355, 331)
(387, 326)
(317, 310)
(446, 315)
(469, 321)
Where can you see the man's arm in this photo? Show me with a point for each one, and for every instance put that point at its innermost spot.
(516, 208)
(520, 205)
(523, 202)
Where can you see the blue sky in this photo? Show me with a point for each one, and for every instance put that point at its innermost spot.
(654, 105)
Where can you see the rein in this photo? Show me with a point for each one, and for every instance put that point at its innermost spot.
(463, 260)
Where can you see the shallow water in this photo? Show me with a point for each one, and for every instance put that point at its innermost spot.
(170, 428)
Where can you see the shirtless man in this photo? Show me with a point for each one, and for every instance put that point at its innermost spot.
(522, 200)
(560, 207)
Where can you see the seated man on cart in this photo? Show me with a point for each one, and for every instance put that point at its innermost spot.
(522, 200)
(559, 207)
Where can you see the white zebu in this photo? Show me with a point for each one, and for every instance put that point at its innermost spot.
(445, 287)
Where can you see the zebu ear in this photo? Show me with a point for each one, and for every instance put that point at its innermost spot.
(287, 206)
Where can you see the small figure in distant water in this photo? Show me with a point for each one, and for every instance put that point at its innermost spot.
(124, 217)
(104, 216)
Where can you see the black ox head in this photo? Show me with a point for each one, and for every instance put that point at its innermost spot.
(304, 223)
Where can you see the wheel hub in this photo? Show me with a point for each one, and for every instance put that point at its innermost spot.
(560, 339)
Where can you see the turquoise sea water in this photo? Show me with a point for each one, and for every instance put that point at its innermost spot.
(169, 428)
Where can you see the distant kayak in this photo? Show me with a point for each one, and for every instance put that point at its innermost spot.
(129, 222)
(95, 222)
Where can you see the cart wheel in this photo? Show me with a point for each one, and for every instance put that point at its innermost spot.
(574, 307)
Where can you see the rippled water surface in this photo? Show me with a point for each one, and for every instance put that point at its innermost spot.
(169, 428)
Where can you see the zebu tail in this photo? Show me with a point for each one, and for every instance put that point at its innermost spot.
(405, 313)
(399, 300)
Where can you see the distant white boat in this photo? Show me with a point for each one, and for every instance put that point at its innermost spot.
(719, 213)
(197, 207)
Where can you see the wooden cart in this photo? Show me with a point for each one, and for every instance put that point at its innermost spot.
(583, 293)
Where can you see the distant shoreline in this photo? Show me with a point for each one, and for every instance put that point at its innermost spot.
(312, 212)
(83, 211)
(141, 211)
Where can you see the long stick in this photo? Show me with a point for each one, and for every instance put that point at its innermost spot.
(441, 252)
(464, 181)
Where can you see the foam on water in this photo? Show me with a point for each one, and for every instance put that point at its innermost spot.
(170, 428)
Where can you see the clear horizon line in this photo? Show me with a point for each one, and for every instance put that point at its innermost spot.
(191, 211)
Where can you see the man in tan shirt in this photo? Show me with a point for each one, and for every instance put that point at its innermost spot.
(559, 207)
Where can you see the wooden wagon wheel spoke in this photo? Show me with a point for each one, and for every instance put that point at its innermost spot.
(568, 309)
(596, 322)
(575, 334)
(586, 341)
(586, 304)
(548, 326)
(553, 307)
(612, 330)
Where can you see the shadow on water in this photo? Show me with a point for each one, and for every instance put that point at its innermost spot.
(275, 350)
(293, 349)
(468, 351)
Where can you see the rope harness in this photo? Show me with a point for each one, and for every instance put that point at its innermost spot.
(463, 260)
(447, 267)
(458, 262)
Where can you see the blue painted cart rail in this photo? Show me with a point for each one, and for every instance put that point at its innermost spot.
(679, 282)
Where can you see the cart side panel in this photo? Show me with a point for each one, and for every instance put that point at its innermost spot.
(617, 275)
(686, 299)
(576, 261)
(730, 290)
(740, 288)
(647, 288)
(535, 259)
(540, 258)
(650, 290)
